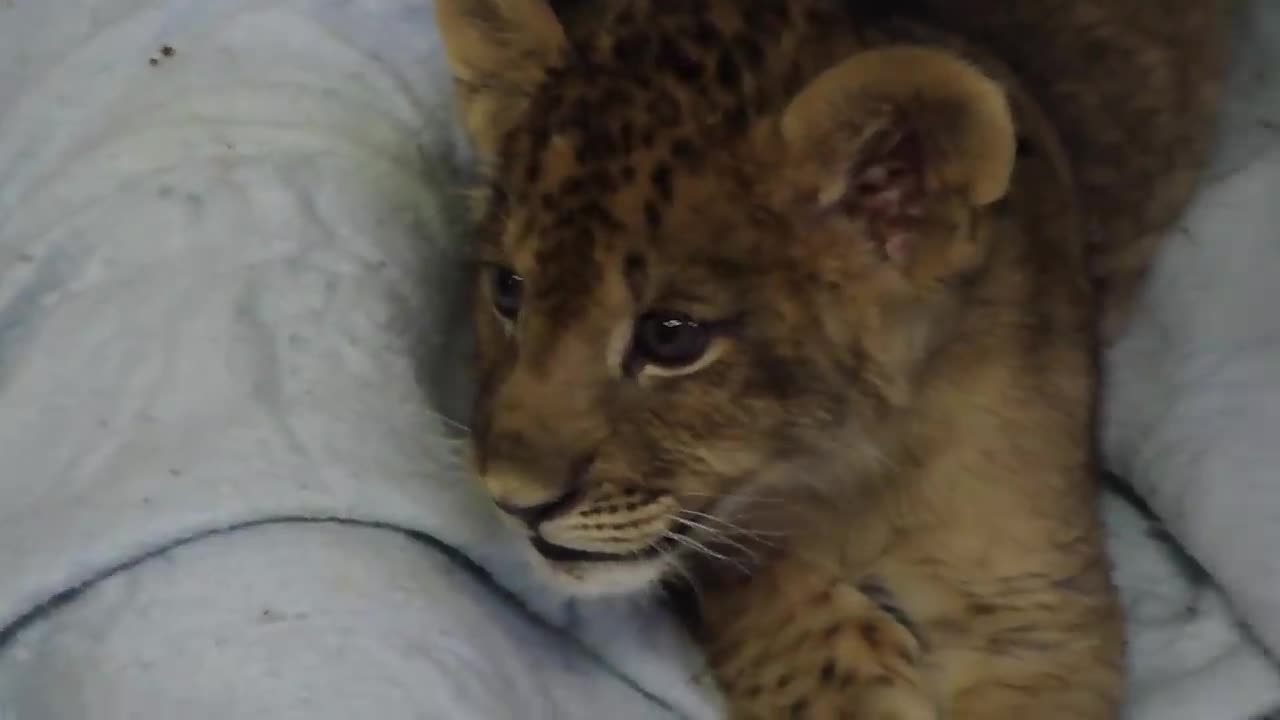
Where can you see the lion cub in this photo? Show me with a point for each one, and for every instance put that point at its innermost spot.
(794, 304)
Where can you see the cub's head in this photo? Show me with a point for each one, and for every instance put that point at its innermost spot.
(699, 282)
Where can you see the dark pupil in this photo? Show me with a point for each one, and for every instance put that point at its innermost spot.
(670, 339)
(507, 287)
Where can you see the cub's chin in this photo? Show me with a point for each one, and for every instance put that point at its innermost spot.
(587, 574)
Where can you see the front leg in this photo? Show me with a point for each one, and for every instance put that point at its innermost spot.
(1043, 698)
(827, 652)
(1078, 680)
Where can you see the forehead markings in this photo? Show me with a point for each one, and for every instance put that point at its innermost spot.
(635, 268)
(608, 134)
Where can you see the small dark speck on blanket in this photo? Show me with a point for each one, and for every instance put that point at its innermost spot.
(166, 51)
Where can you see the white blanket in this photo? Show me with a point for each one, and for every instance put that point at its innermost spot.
(1192, 414)
(227, 294)
(223, 268)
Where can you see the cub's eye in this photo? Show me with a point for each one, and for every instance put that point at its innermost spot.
(669, 340)
(508, 288)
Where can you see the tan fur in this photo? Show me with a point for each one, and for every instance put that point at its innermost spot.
(877, 480)
(1132, 87)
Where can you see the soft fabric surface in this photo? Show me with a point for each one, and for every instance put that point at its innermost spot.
(303, 621)
(228, 296)
(1192, 408)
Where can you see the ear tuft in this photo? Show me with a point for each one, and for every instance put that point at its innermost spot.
(499, 52)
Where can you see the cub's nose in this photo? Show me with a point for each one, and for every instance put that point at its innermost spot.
(533, 515)
(533, 502)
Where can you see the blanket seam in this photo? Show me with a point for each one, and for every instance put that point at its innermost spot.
(451, 553)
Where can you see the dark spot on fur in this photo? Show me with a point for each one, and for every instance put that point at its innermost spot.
(613, 98)
(636, 272)
(728, 74)
(597, 215)
(877, 592)
(627, 137)
(705, 34)
(602, 181)
(661, 179)
(533, 169)
(827, 675)
(761, 16)
(665, 109)
(737, 119)
(652, 216)
(782, 682)
(982, 609)
(674, 58)
(573, 186)
(870, 634)
(684, 150)
(594, 145)
(750, 50)
(798, 710)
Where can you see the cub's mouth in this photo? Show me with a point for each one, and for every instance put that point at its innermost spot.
(607, 540)
(561, 554)
(597, 570)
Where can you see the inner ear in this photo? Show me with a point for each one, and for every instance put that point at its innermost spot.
(905, 140)
(887, 188)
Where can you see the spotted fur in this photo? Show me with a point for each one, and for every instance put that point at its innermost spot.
(876, 477)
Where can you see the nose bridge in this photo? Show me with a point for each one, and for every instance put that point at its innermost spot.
(548, 414)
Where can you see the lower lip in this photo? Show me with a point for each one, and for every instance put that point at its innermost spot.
(559, 553)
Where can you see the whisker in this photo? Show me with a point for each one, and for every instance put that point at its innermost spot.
(715, 534)
(450, 422)
(734, 527)
(700, 548)
(732, 496)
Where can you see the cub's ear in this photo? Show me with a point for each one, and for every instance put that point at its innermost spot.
(499, 52)
(905, 141)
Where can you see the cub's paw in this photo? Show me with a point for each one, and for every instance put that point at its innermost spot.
(885, 702)
(844, 658)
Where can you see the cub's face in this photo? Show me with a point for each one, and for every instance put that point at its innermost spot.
(646, 359)
(683, 311)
